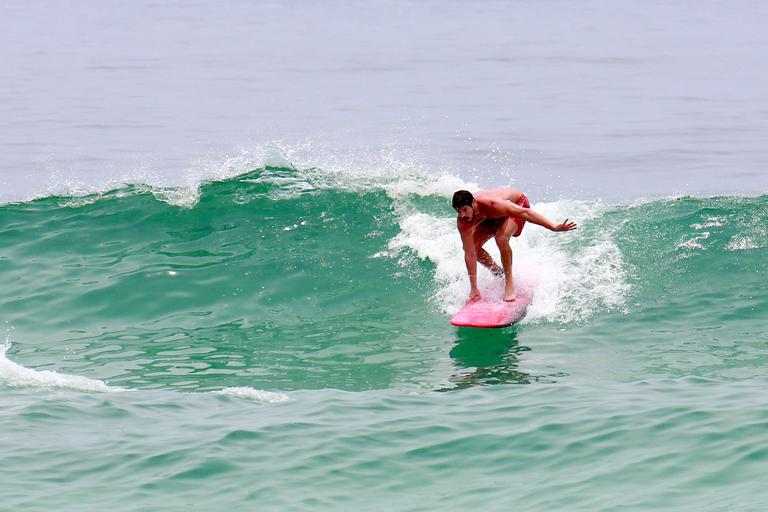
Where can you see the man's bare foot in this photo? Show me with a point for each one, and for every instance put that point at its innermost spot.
(510, 298)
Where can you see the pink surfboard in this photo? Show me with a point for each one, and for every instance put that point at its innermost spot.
(493, 313)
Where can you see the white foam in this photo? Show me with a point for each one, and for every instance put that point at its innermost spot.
(15, 375)
(711, 222)
(442, 186)
(754, 236)
(573, 277)
(742, 243)
(694, 242)
(254, 394)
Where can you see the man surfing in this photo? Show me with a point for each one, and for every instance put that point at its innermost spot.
(500, 213)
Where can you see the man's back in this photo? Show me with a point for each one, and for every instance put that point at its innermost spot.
(503, 194)
(488, 200)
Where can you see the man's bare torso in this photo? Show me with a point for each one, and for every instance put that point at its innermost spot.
(487, 201)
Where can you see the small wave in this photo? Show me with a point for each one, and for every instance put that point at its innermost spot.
(14, 375)
(254, 394)
(322, 164)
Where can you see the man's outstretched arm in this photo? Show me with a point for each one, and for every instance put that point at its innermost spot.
(530, 215)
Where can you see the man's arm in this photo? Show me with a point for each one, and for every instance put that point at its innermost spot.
(529, 215)
(470, 259)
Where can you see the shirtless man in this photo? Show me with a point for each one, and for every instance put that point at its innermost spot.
(500, 213)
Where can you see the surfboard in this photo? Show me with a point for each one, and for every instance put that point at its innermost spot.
(493, 313)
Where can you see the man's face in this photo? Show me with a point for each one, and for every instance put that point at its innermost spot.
(466, 213)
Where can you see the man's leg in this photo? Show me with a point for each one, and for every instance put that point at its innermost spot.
(481, 236)
(485, 259)
(503, 235)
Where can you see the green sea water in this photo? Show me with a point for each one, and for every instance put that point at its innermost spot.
(279, 340)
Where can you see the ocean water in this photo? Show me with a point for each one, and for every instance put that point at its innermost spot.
(228, 258)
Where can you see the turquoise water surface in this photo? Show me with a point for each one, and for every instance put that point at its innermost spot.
(280, 340)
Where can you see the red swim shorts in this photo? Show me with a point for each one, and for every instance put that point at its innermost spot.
(523, 201)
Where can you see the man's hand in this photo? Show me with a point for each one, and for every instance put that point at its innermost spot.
(565, 226)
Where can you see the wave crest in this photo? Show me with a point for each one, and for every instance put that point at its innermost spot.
(14, 375)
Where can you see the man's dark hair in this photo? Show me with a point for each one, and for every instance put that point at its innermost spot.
(462, 198)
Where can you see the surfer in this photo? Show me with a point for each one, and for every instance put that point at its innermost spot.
(500, 213)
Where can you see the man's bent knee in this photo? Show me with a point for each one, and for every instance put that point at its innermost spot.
(480, 241)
